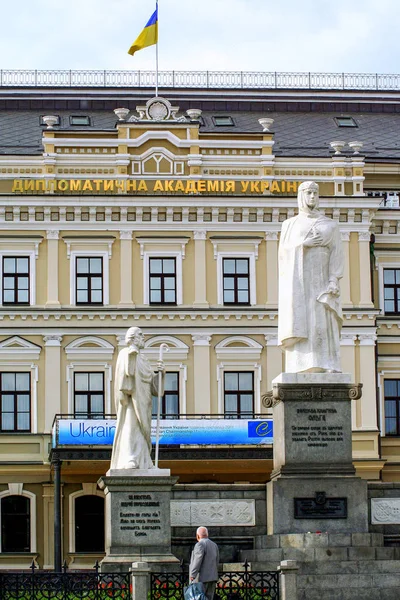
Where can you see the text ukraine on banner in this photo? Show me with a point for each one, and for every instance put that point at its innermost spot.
(148, 36)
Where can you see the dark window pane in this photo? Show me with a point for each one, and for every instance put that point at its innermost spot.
(8, 382)
(155, 283)
(7, 403)
(97, 404)
(245, 381)
(229, 296)
(390, 387)
(246, 403)
(389, 293)
(96, 382)
(8, 296)
(15, 524)
(155, 265)
(9, 265)
(81, 381)
(89, 524)
(96, 265)
(9, 283)
(97, 296)
(243, 283)
(171, 404)
(22, 381)
(229, 266)
(229, 283)
(169, 296)
(23, 265)
(155, 296)
(169, 265)
(82, 265)
(243, 297)
(82, 296)
(171, 381)
(96, 283)
(390, 427)
(23, 422)
(81, 403)
(242, 266)
(82, 283)
(230, 402)
(389, 306)
(231, 381)
(169, 283)
(7, 420)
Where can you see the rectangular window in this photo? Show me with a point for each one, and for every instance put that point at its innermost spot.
(345, 122)
(79, 120)
(170, 400)
(162, 280)
(239, 394)
(16, 280)
(223, 121)
(89, 280)
(89, 395)
(392, 406)
(15, 394)
(236, 280)
(391, 290)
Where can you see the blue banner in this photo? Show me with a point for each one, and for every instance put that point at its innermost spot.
(210, 432)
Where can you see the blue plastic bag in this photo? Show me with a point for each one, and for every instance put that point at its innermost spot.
(195, 591)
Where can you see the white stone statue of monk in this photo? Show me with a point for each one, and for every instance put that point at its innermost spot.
(135, 383)
(310, 266)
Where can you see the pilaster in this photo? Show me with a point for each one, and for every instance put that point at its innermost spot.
(365, 269)
(200, 280)
(345, 282)
(125, 240)
(368, 417)
(52, 268)
(52, 383)
(201, 374)
(271, 239)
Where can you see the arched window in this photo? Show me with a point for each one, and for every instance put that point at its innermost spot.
(15, 524)
(89, 524)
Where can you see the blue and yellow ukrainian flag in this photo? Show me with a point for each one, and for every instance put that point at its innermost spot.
(148, 36)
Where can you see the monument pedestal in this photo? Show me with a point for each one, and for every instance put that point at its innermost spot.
(138, 521)
(313, 485)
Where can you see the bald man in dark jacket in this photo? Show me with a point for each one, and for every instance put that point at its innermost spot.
(204, 562)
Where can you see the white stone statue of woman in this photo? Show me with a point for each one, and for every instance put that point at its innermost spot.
(135, 384)
(310, 266)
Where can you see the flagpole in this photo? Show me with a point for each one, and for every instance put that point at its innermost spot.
(157, 53)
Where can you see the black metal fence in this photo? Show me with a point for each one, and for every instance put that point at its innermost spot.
(67, 585)
(231, 585)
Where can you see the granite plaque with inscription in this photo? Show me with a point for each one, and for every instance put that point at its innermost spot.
(320, 507)
(138, 519)
(313, 451)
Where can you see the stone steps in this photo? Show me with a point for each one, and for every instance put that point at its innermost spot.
(326, 554)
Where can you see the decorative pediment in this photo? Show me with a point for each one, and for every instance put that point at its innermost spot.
(89, 347)
(16, 346)
(178, 350)
(234, 347)
(157, 109)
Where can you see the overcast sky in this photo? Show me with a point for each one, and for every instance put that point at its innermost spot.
(247, 35)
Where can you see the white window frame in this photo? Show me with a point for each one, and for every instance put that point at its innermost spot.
(388, 371)
(174, 248)
(88, 489)
(16, 489)
(32, 275)
(173, 360)
(85, 367)
(105, 277)
(23, 367)
(381, 264)
(220, 252)
(245, 357)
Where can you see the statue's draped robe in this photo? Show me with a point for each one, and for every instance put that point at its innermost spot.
(309, 318)
(135, 383)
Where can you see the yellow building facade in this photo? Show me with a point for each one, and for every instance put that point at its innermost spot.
(164, 219)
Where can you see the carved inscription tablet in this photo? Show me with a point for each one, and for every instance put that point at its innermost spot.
(316, 428)
(140, 514)
(320, 507)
